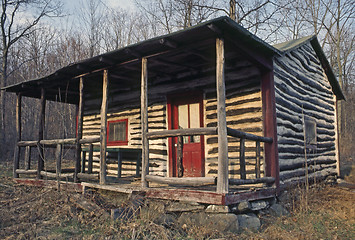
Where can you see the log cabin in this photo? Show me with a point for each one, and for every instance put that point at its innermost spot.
(210, 114)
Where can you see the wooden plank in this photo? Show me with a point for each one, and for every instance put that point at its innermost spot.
(89, 140)
(90, 176)
(243, 174)
(180, 149)
(144, 122)
(28, 157)
(91, 156)
(222, 180)
(65, 185)
(186, 181)
(234, 198)
(58, 157)
(108, 187)
(186, 195)
(182, 132)
(79, 133)
(251, 181)
(25, 171)
(42, 118)
(18, 134)
(257, 160)
(249, 136)
(57, 141)
(54, 175)
(103, 128)
(270, 127)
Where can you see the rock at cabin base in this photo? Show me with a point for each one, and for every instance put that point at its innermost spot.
(249, 221)
(217, 209)
(222, 222)
(259, 205)
(278, 210)
(183, 207)
(242, 207)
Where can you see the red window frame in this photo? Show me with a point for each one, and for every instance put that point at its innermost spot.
(117, 143)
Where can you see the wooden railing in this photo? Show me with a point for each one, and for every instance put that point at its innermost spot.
(53, 143)
(195, 181)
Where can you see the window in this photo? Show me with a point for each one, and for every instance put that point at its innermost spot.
(117, 132)
(310, 132)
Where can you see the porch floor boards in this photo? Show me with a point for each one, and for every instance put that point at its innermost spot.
(130, 185)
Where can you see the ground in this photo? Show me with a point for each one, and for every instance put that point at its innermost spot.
(323, 212)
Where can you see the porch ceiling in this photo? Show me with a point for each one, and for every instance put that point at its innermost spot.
(175, 57)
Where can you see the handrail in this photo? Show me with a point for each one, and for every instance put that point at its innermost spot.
(58, 141)
(240, 134)
(182, 132)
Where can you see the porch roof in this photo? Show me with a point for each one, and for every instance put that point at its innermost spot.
(186, 49)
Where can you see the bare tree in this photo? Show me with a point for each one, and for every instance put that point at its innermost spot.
(14, 26)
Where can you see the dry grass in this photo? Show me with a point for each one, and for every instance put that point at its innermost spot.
(31, 213)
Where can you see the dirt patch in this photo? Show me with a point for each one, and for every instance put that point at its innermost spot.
(323, 212)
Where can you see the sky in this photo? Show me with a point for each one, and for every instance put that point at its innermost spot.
(125, 4)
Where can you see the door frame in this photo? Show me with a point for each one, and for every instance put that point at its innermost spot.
(171, 98)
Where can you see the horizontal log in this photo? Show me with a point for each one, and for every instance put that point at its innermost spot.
(240, 134)
(251, 181)
(27, 143)
(187, 181)
(23, 171)
(89, 140)
(182, 132)
(90, 176)
(57, 141)
(54, 175)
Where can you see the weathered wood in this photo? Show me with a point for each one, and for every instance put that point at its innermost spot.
(187, 181)
(27, 143)
(28, 157)
(91, 155)
(180, 146)
(241, 134)
(257, 159)
(58, 157)
(83, 162)
(243, 174)
(25, 171)
(90, 176)
(113, 188)
(271, 159)
(89, 140)
(182, 132)
(251, 181)
(249, 196)
(42, 117)
(57, 141)
(79, 133)
(144, 122)
(54, 175)
(103, 129)
(18, 134)
(222, 180)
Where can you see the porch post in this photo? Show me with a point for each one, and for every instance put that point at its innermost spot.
(18, 134)
(222, 180)
(79, 133)
(42, 118)
(144, 122)
(103, 133)
(270, 127)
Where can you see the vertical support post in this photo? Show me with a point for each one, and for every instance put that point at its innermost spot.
(91, 156)
(243, 174)
(28, 157)
(119, 164)
(42, 118)
(257, 160)
(103, 132)
(270, 128)
(79, 133)
(222, 180)
(144, 122)
(180, 153)
(18, 135)
(58, 157)
(83, 160)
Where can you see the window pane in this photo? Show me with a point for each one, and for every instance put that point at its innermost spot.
(183, 119)
(195, 120)
(117, 131)
(311, 132)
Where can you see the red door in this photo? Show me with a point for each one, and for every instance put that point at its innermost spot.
(185, 111)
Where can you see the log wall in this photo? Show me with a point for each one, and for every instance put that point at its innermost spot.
(243, 110)
(300, 82)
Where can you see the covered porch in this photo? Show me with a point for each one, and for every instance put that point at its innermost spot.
(216, 60)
